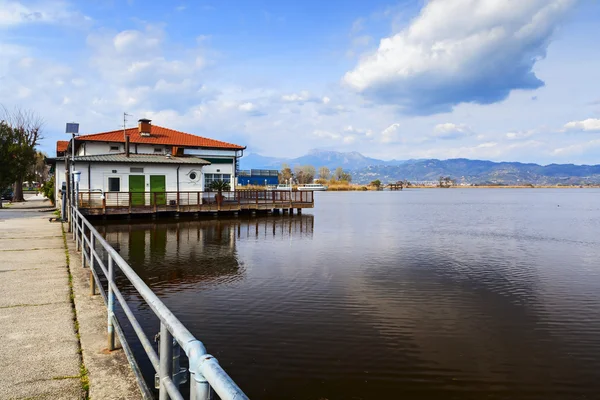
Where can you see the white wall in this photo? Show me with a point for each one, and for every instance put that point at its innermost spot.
(100, 172)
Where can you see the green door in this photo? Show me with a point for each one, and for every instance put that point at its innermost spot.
(158, 186)
(137, 186)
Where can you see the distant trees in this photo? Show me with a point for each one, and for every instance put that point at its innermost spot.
(324, 173)
(8, 147)
(285, 174)
(337, 175)
(445, 182)
(376, 183)
(305, 174)
(26, 129)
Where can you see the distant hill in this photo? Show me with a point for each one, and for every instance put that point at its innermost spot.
(317, 158)
(462, 170)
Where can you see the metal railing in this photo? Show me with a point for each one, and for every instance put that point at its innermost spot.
(206, 373)
(239, 199)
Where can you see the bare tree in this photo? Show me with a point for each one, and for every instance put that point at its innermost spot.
(27, 126)
(285, 174)
(324, 173)
(338, 174)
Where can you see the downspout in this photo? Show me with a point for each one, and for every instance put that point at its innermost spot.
(89, 177)
(179, 166)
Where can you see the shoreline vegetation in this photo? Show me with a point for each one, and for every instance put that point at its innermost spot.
(353, 187)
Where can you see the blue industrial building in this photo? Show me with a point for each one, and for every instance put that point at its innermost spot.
(259, 177)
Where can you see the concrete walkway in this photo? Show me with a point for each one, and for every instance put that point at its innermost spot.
(43, 355)
(40, 348)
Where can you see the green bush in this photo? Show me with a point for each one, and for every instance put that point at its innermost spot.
(47, 190)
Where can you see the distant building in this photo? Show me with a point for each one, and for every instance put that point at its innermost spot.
(259, 177)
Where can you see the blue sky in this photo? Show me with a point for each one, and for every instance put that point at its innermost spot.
(490, 79)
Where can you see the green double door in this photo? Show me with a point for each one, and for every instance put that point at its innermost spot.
(158, 185)
(137, 187)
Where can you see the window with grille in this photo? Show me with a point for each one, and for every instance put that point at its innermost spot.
(136, 169)
(210, 178)
(114, 184)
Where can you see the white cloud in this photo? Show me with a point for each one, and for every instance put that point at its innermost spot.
(247, 106)
(587, 125)
(14, 13)
(576, 149)
(460, 51)
(391, 134)
(451, 131)
(326, 134)
(301, 97)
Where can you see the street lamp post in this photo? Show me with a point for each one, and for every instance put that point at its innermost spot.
(73, 129)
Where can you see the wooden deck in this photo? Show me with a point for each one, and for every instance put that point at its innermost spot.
(124, 203)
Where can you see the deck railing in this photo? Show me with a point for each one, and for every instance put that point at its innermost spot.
(206, 200)
(205, 372)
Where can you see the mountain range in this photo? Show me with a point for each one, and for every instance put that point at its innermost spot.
(462, 170)
(317, 158)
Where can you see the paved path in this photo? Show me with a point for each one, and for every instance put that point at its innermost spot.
(40, 350)
(41, 355)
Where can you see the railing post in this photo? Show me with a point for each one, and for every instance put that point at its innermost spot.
(82, 244)
(111, 305)
(92, 284)
(166, 360)
(92, 249)
(73, 216)
(199, 387)
(77, 237)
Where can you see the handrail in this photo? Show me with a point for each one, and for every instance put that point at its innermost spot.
(206, 373)
(194, 200)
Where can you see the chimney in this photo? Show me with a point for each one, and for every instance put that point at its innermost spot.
(144, 127)
(126, 145)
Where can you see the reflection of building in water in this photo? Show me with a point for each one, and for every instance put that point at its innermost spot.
(189, 251)
(277, 227)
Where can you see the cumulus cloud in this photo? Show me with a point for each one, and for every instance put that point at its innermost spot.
(391, 134)
(14, 13)
(587, 125)
(302, 97)
(458, 51)
(451, 131)
(578, 148)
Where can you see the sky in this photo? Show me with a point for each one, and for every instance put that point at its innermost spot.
(503, 80)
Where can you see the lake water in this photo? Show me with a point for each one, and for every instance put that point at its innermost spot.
(419, 294)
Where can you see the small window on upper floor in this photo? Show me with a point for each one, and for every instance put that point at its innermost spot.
(114, 148)
(158, 150)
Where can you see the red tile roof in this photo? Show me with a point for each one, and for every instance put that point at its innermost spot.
(160, 135)
(62, 145)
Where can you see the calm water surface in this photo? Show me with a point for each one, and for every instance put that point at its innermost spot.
(420, 294)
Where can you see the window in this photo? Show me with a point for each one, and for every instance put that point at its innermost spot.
(158, 150)
(114, 148)
(193, 176)
(136, 169)
(114, 184)
(210, 178)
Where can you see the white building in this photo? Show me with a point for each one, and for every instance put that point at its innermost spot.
(147, 159)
